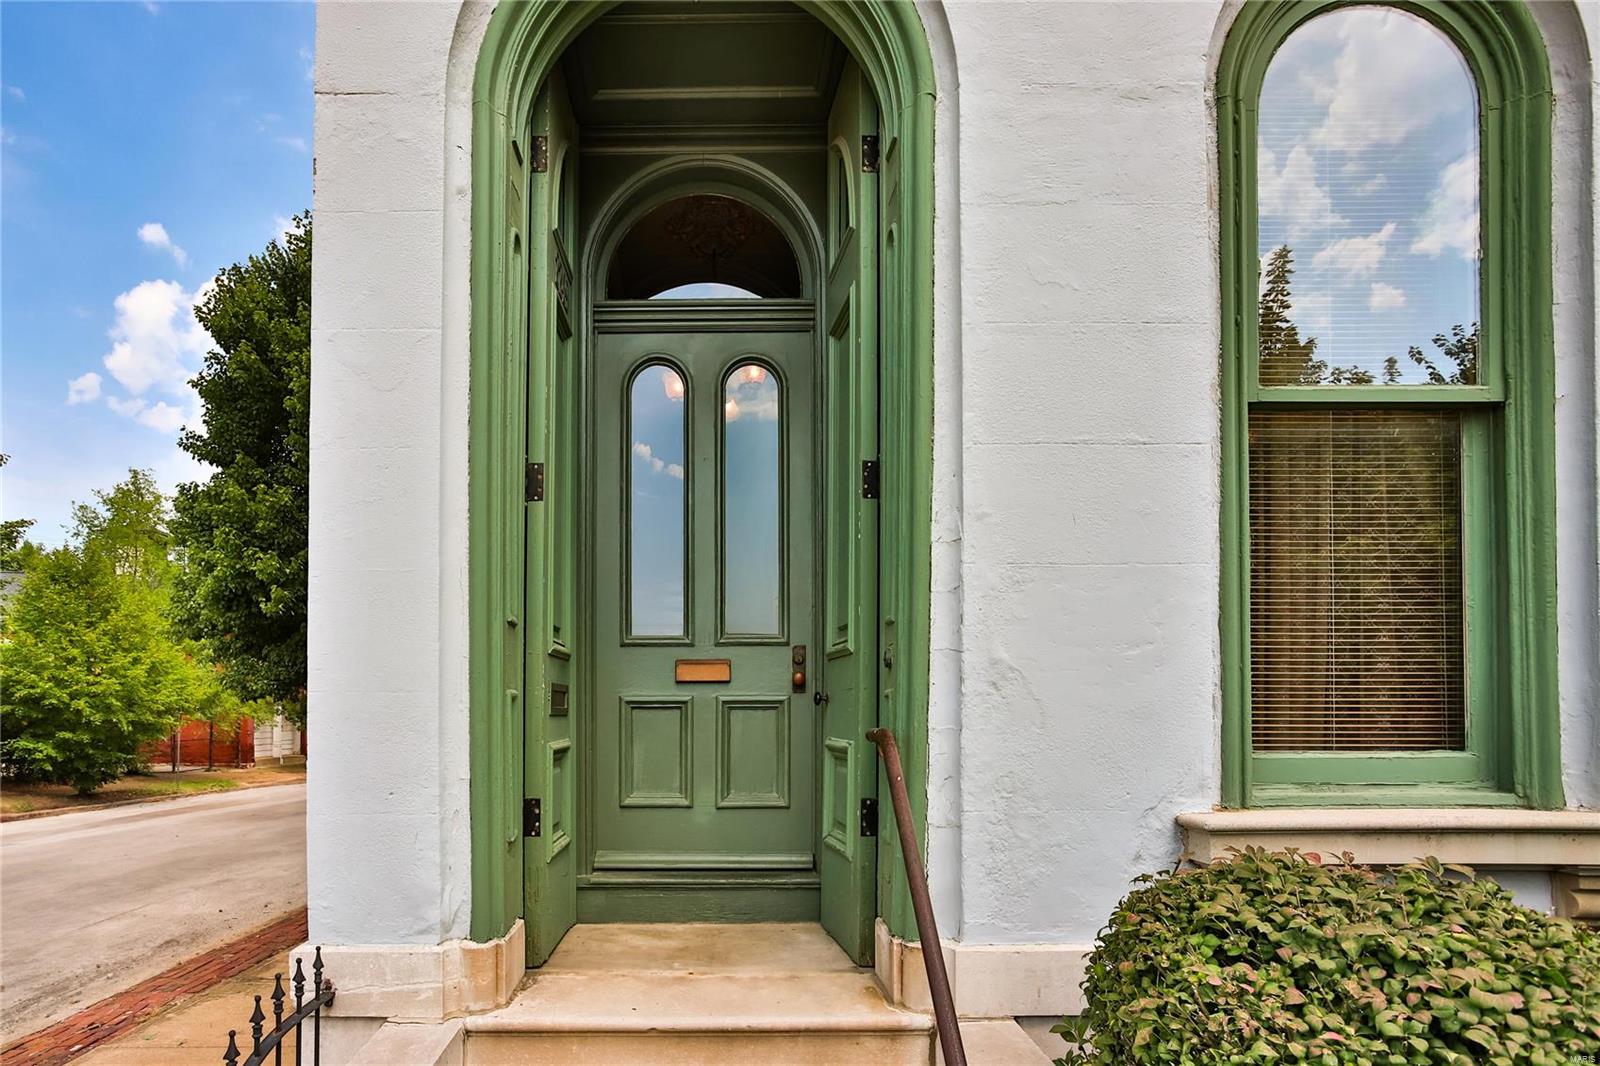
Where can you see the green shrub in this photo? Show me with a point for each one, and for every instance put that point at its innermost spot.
(1277, 958)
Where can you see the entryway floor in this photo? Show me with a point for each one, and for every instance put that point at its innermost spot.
(664, 994)
(706, 948)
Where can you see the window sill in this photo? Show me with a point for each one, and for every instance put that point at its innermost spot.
(1485, 837)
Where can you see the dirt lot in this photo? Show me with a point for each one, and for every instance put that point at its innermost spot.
(20, 800)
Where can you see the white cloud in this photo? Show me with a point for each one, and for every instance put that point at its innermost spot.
(1386, 297)
(85, 388)
(297, 144)
(156, 345)
(161, 415)
(660, 466)
(1356, 257)
(1293, 193)
(1451, 219)
(282, 226)
(16, 93)
(1394, 75)
(155, 340)
(155, 235)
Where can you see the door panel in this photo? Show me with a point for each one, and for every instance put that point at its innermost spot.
(703, 568)
(549, 630)
(847, 863)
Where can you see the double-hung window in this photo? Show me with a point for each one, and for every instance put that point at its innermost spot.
(1388, 479)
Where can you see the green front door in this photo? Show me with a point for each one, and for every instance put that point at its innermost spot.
(705, 734)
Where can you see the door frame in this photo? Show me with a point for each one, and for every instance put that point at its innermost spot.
(522, 43)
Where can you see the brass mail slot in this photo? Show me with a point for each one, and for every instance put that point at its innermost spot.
(693, 671)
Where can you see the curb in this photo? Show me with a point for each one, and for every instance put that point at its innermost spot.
(23, 816)
(115, 1015)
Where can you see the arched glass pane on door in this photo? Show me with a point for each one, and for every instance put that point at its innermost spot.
(703, 247)
(658, 520)
(752, 503)
(1367, 199)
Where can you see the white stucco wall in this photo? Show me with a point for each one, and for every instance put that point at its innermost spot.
(1075, 699)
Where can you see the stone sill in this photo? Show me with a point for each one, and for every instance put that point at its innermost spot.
(1485, 837)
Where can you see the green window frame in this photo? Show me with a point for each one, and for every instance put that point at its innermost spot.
(1508, 435)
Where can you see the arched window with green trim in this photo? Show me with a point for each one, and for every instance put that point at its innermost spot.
(1388, 437)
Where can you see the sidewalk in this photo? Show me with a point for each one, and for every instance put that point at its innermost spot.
(41, 801)
(177, 1018)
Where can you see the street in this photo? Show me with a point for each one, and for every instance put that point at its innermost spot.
(95, 901)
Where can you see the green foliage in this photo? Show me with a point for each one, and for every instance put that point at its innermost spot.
(242, 532)
(1276, 958)
(128, 529)
(87, 673)
(89, 668)
(15, 551)
(1286, 359)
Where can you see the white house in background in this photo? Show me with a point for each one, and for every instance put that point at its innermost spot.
(1175, 422)
(277, 739)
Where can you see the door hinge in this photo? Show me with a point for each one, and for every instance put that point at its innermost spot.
(532, 818)
(869, 817)
(869, 479)
(533, 483)
(541, 154)
(869, 154)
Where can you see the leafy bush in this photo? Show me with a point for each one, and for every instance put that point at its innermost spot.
(1278, 958)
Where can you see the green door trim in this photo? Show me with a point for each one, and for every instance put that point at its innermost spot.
(521, 45)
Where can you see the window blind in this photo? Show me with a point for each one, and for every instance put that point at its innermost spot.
(1356, 607)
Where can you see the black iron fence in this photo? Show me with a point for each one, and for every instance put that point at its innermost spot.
(263, 1043)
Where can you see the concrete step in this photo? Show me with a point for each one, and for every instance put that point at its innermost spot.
(998, 1042)
(681, 994)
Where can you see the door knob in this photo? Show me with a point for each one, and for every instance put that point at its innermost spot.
(797, 655)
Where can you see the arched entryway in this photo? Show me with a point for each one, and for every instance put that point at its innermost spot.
(685, 619)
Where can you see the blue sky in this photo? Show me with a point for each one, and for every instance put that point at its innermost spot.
(144, 147)
(1368, 170)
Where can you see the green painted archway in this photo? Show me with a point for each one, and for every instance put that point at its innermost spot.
(522, 44)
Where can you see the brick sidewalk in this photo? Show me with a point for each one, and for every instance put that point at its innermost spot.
(115, 1016)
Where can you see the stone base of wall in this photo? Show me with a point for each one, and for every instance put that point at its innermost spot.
(421, 983)
(987, 980)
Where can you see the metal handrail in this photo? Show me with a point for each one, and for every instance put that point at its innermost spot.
(944, 1005)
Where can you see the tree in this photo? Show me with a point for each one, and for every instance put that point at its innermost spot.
(87, 673)
(1460, 347)
(89, 670)
(242, 532)
(129, 530)
(1285, 358)
(15, 551)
